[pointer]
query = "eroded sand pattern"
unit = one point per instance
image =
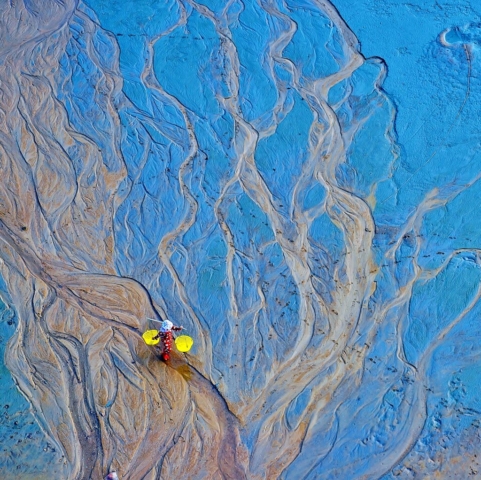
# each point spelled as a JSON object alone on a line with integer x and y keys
{"x": 216, "y": 185}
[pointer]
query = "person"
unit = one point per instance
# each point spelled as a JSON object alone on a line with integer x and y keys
{"x": 166, "y": 337}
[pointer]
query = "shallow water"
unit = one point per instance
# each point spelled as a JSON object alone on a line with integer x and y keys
{"x": 302, "y": 203}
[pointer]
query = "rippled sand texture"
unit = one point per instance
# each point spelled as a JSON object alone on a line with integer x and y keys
{"x": 212, "y": 186}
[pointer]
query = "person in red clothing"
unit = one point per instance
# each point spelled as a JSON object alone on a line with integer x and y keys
{"x": 166, "y": 337}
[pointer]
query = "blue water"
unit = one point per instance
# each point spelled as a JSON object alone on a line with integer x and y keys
{"x": 436, "y": 94}
{"x": 26, "y": 452}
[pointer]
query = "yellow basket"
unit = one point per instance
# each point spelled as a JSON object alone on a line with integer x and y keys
{"x": 148, "y": 337}
{"x": 184, "y": 343}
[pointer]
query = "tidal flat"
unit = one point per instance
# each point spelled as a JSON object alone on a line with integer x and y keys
{"x": 296, "y": 183}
